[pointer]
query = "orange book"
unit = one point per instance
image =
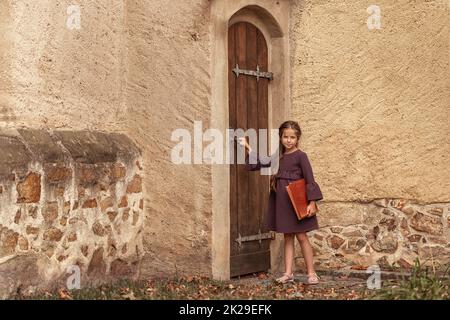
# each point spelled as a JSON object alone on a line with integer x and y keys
{"x": 297, "y": 192}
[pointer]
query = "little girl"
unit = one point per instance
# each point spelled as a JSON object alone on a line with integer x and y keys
{"x": 281, "y": 216}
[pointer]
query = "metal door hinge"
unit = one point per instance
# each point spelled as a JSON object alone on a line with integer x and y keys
{"x": 256, "y": 237}
{"x": 258, "y": 74}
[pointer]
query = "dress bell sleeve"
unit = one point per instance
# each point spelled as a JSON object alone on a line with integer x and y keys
{"x": 313, "y": 191}
{"x": 253, "y": 162}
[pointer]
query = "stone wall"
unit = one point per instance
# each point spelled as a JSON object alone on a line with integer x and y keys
{"x": 388, "y": 232}
{"x": 68, "y": 198}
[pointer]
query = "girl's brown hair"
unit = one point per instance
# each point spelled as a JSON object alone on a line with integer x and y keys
{"x": 298, "y": 132}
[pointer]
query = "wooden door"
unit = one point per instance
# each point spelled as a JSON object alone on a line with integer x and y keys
{"x": 249, "y": 191}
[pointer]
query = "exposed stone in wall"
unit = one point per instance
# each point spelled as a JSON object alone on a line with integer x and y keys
{"x": 29, "y": 190}
{"x": 64, "y": 212}
{"x": 387, "y": 232}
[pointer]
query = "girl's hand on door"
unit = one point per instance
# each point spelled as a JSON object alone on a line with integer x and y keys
{"x": 243, "y": 142}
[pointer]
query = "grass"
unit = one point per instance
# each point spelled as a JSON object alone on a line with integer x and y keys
{"x": 198, "y": 288}
{"x": 423, "y": 284}
{"x": 160, "y": 289}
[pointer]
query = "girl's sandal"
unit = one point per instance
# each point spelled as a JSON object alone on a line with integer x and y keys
{"x": 285, "y": 278}
{"x": 313, "y": 278}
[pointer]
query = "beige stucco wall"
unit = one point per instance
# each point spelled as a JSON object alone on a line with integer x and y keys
{"x": 168, "y": 87}
{"x": 374, "y": 104}
{"x": 56, "y": 77}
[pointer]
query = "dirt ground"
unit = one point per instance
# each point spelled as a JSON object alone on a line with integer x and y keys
{"x": 256, "y": 286}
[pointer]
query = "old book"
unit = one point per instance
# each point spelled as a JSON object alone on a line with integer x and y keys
{"x": 297, "y": 193}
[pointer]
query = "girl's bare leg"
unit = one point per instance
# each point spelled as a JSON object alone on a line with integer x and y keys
{"x": 288, "y": 252}
{"x": 307, "y": 252}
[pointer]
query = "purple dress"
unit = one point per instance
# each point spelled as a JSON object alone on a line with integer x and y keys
{"x": 281, "y": 216}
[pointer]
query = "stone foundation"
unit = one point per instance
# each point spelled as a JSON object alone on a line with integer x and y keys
{"x": 68, "y": 198}
{"x": 387, "y": 232}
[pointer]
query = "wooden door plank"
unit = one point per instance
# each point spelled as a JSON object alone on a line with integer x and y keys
{"x": 241, "y": 117}
{"x": 232, "y": 125}
{"x": 263, "y": 122}
{"x": 250, "y": 263}
{"x": 250, "y": 224}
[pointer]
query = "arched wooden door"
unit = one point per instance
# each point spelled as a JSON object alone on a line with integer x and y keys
{"x": 248, "y": 108}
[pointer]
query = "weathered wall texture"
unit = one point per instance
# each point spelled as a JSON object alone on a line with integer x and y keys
{"x": 151, "y": 57}
{"x": 168, "y": 87}
{"x": 68, "y": 198}
{"x": 56, "y": 77}
{"x": 374, "y": 107}
{"x": 374, "y": 104}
